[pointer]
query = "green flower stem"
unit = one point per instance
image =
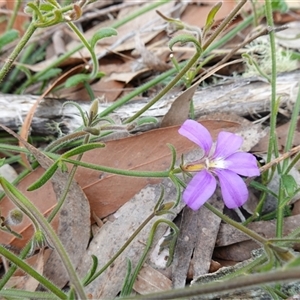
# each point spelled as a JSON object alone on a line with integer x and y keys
{"x": 130, "y": 284}
{"x": 139, "y": 90}
{"x": 138, "y": 230}
{"x": 231, "y": 34}
{"x": 170, "y": 72}
{"x": 68, "y": 185}
{"x": 9, "y": 61}
{"x": 224, "y": 24}
{"x": 274, "y": 110}
{"x": 88, "y": 46}
{"x": 150, "y": 174}
{"x": 252, "y": 234}
{"x": 13, "y": 75}
{"x": 292, "y": 129}
{"x": 63, "y": 57}
{"x": 21, "y": 294}
{"x": 234, "y": 284}
{"x": 29, "y": 270}
{"x": 166, "y": 88}
{"x": 13, "y": 17}
{"x": 17, "y": 197}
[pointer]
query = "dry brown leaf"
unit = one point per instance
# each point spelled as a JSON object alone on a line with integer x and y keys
{"x": 126, "y": 33}
{"x": 281, "y": 131}
{"x": 229, "y": 235}
{"x": 110, "y": 90}
{"x": 197, "y": 238}
{"x": 126, "y": 77}
{"x": 31, "y": 284}
{"x": 180, "y": 108}
{"x": 236, "y": 246}
{"x": 149, "y": 58}
{"x": 74, "y": 235}
{"x": 150, "y": 280}
{"x": 192, "y": 12}
{"x": 113, "y": 234}
{"x": 236, "y": 252}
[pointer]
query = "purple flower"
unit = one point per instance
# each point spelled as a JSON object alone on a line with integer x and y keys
{"x": 222, "y": 160}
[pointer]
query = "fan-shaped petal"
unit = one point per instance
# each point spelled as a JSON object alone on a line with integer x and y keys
{"x": 199, "y": 189}
{"x": 227, "y": 144}
{"x": 197, "y": 133}
{"x": 242, "y": 163}
{"x": 233, "y": 188}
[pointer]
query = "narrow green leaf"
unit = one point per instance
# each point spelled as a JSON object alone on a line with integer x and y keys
{"x": 82, "y": 114}
{"x": 8, "y": 37}
{"x": 279, "y": 5}
{"x": 102, "y": 33}
{"x": 263, "y": 188}
{"x": 50, "y": 74}
{"x": 2, "y": 161}
{"x": 44, "y": 178}
{"x": 92, "y": 130}
{"x": 211, "y": 16}
{"x": 174, "y": 158}
{"x": 76, "y": 79}
{"x": 46, "y": 7}
{"x": 82, "y": 149}
{"x": 185, "y": 38}
{"x": 100, "y": 75}
{"x": 36, "y": 10}
{"x": 289, "y": 183}
{"x": 92, "y": 271}
{"x": 146, "y": 120}
{"x": 26, "y": 71}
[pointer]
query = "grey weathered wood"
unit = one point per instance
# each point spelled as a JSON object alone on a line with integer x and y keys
{"x": 240, "y": 96}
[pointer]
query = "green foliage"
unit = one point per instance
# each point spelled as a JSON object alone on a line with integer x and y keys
{"x": 76, "y": 79}
{"x": 46, "y": 7}
{"x": 210, "y": 20}
{"x": 289, "y": 184}
{"x": 102, "y": 33}
{"x": 50, "y": 74}
{"x": 8, "y": 37}
{"x": 279, "y": 5}
{"x": 183, "y": 39}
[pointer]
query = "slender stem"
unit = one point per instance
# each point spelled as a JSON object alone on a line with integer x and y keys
{"x": 226, "y": 286}
{"x": 139, "y": 12}
{"x": 252, "y": 234}
{"x": 274, "y": 110}
{"x": 88, "y": 46}
{"x": 167, "y": 88}
{"x": 67, "y": 186}
{"x": 129, "y": 286}
{"x": 13, "y": 75}
{"x": 138, "y": 230}
{"x": 292, "y": 128}
{"x": 29, "y": 270}
{"x": 21, "y": 294}
{"x": 13, "y": 17}
{"x": 139, "y": 90}
{"x": 224, "y": 24}
{"x": 9, "y": 61}
{"x": 116, "y": 25}
{"x": 18, "y": 197}
{"x": 158, "y": 174}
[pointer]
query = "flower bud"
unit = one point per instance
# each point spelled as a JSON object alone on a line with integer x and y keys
{"x": 15, "y": 217}
{"x": 94, "y": 109}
